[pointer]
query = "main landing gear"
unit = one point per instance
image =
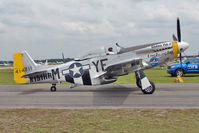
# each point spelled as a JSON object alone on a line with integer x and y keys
{"x": 142, "y": 82}
{"x": 53, "y": 88}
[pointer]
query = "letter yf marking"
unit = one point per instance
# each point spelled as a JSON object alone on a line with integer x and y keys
{"x": 96, "y": 64}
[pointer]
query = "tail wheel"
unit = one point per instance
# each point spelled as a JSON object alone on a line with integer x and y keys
{"x": 179, "y": 72}
{"x": 150, "y": 89}
{"x": 53, "y": 88}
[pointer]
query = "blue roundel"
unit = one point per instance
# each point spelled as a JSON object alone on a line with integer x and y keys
{"x": 154, "y": 61}
{"x": 76, "y": 70}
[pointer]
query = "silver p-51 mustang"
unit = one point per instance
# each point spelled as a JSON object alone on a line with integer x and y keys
{"x": 97, "y": 68}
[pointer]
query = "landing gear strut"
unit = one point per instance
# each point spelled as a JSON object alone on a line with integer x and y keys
{"x": 53, "y": 88}
{"x": 142, "y": 82}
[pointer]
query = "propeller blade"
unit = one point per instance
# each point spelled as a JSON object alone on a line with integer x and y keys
{"x": 181, "y": 61}
{"x": 180, "y": 58}
{"x": 174, "y": 38}
{"x": 178, "y": 30}
{"x": 179, "y": 40}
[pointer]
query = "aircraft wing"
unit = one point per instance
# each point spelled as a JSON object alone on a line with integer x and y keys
{"x": 128, "y": 62}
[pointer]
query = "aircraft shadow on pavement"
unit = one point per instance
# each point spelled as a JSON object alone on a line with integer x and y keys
{"x": 112, "y": 95}
{"x": 103, "y": 91}
{"x": 32, "y": 91}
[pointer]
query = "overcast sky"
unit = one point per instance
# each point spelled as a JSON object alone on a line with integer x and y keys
{"x": 46, "y": 28}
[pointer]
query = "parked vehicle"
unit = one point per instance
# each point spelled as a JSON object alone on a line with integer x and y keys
{"x": 189, "y": 66}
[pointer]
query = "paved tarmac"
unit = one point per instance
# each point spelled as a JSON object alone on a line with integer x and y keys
{"x": 5, "y": 67}
{"x": 107, "y": 96}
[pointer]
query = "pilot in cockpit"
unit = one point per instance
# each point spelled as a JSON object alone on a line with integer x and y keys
{"x": 110, "y": 51}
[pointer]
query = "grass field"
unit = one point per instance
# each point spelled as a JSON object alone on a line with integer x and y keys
{"x": 99, "y": 121}
{"x": 6, "y": 77}
{"x": 156, "y": 75}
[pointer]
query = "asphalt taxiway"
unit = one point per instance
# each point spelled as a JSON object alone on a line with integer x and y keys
{"x": 107, "y": 96}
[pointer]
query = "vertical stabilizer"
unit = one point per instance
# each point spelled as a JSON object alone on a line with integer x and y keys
{"x": 23, "y": 64}
{"x": 28, "y": 62}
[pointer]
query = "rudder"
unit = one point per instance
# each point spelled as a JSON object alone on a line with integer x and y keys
{"x": 23, "y": 64}
{"x": 18, "y": 69}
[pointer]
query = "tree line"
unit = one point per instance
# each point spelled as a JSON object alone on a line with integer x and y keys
{"x": 43, "y": 61}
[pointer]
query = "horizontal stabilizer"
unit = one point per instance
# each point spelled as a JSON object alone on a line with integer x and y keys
{"x": 33, "y": 73}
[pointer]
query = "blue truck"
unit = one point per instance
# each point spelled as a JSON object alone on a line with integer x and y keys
{"x": 189, "y": 66}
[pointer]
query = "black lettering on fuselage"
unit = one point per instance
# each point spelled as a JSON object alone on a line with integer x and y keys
{"x": 27, "y": 69}
{"x": 96, "y": 64}
{"x": 55, "y": 72}
{"x": 31, "y": 79}
{"x": 35, "y": 78}
{"x": 45, "y": 76}
{"x": 49, "y": 75}
{"x": 102, "y": 63}
{"x": 40, "y": 77}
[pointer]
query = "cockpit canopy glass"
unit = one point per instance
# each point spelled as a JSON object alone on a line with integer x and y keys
{"x": 108, "y": 50}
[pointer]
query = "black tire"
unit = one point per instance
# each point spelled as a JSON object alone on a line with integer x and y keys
{"x": 149, "y": 90}
{"x": 53, "y": 89}
{"x": 138, "y": 83}
{"x": 179, "y": 72}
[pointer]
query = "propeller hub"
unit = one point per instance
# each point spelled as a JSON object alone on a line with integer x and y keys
{"x": 179, "y": 47}
{"x": 182, "y": 46}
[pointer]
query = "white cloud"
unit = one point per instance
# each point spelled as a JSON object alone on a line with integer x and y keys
{"x": 2, "y": 26}
{"x": 52, "y": 26}
{"x": 104, "y": 27}
{"x": 78, "y": 27}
